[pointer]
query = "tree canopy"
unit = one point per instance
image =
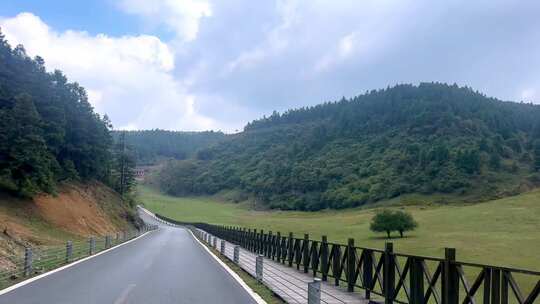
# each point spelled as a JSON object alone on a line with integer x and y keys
{"x": 389, "y": 221}
{"x": 48, "y": 129}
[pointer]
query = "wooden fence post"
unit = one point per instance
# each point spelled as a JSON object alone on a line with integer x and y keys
{"x": 324, "y": 258}
{"x": 336, "y": 263}
{"x": 351, "y": 263}
{"x": 278, "y": 247}
{"x": 416, "y": 280}
{"x": 305, "y": 253}
{"x": 389, "y": 273}
{"x": 367, "y": 270}
{"x": 254, "y": 241}
{"x": 450, "y": 278}
{"x": 290, "y": 249}
{"x": 269, "y": 245}
{"x": 314, "y": 259}
{"x": 261, "y": 242}
{"x": 495, "y": 286}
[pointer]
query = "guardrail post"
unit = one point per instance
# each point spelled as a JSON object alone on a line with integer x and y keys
{"x": 91, "y": 245}
{"x": 351, "y": 263}
{"x": 69, "y": 251}
{"x": 259, "y": 267}
{"x": 389, "y": 273}
{"x": 107, "y": 241}
{"x": 314, "y": 291}
{"x": 223, "y": 247}
{"x": 27, "y": 261}
{"x": 450, "y": 278}
{"x": 236, "y": 256}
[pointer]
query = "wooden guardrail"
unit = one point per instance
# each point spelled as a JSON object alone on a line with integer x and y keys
{"x": 394, "y": 276}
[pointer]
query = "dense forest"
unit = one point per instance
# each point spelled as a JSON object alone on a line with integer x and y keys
{"x": 154, "y": 146}
{"x": 48, "y": 129}
{"x": 430, "y": 138}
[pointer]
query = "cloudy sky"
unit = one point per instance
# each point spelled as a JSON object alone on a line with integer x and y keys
{"x": 217, "y": 64}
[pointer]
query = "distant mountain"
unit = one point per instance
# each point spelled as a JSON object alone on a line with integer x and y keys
{"x": 430, "y": 138}
{"x": 152, "y": 146}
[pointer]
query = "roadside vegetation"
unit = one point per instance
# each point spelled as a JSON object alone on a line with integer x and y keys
{"x": 264, "y": 292}
{"x": 486, "y": 232}
{"x": 49, "y": 132}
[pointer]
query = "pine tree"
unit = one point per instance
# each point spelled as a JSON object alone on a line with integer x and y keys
{"x": 31, "y": 164}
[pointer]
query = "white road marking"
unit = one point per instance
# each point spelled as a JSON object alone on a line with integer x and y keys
{"x": 122, "y": 299}
{"x": 233, "y": 274}
{"x": 250, "y": 291}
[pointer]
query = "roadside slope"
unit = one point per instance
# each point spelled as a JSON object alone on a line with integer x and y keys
{"x": 77, "y": 211}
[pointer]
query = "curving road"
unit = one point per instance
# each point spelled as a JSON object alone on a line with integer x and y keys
{"x": 164, "y": 266}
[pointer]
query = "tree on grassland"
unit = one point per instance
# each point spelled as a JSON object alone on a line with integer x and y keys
{"x": 388, "y": 221}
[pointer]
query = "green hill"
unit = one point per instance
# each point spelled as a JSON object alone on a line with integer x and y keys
{"x": 427, "y": 139}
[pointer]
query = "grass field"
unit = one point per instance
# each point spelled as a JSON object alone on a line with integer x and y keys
{"x": 501, "y": 232}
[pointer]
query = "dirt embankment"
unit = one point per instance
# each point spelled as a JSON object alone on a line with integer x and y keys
{"x": 79, "y": 210}
{"x": 76, "y": 212}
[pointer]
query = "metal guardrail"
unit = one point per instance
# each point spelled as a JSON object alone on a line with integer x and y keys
{"x": 38, "y": 260}
{"x": 396, "y": 277}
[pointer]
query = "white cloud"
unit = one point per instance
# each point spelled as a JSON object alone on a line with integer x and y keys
{"x": 181, "y": 16}
{"x": 126, "y": 77}
{"x": 275, "y": 42}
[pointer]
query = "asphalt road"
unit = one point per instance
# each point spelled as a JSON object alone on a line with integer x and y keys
{"x": 164, "y": 266}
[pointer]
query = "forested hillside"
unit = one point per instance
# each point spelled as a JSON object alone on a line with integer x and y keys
{"x": 48, "y": 129}
{"x": 431, "y": 138}
{"x": 152, "y": 146}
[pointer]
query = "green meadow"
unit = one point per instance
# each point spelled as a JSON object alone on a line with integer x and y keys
{"x": 501, "y": 232}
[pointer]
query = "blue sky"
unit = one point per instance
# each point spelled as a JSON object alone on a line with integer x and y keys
{"x": 92, "y": 16}
{"x": 209, "y": 64}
